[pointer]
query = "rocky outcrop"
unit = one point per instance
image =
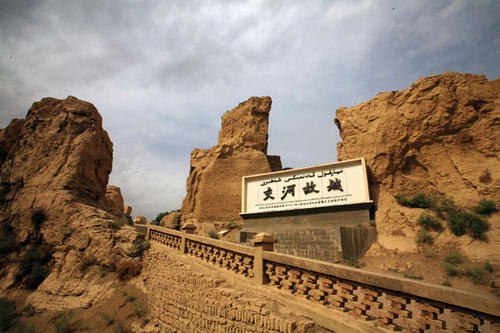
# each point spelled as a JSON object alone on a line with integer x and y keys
{"x": 140, "y": 220}
{"x": 171, "y": 221}
{"x": 53, "y": 182}
{"x": 113, "y": 199}
{"x": 214, "y": 182}
{"x": 439, "y": 136}
{"x": 8, "y": 137}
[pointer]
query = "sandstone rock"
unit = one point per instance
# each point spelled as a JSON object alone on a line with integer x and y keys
{"x": 171, "y": 220}
{"x": 8, "y": 137}
{"x": 113, "y": 198}
{"x": 128, "y": 210}
{"x": 438, "y": 136}
{"x": 214, "y": 182}
{"x": 59, "y": 166}
{"x": 140, "y": 220}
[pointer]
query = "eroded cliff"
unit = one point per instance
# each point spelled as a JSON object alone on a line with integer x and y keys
{"x": 438, "y": 137}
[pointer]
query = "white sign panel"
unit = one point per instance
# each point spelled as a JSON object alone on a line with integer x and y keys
{"x": 332, "y": 184}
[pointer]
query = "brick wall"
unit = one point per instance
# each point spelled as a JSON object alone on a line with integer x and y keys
{"x": 186, "y": 298}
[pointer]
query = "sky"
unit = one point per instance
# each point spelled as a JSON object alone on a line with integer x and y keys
{"x": 162, "y": 73}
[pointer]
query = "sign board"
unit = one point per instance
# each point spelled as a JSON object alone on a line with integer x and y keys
{"x": 334, "y": 184}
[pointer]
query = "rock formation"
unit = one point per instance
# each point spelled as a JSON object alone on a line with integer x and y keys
{"x": 113, "y": 199}
{"x": 214, "y": 182}
{"x": 53, "y": 181}
{"x": 171, "y": 220}
{"x": 140, "y": 220}
{"x": 439, "y": 136}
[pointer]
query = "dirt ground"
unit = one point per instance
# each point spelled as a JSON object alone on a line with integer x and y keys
{"x": 124, "y": 311}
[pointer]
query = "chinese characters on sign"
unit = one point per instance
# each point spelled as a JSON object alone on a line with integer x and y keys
{"x": 328, "y": 185}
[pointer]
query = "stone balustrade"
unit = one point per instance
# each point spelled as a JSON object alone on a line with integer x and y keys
{"x": 389, "y": 302}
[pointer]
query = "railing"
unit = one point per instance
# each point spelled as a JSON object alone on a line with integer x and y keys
{"x": 386, "y": 301}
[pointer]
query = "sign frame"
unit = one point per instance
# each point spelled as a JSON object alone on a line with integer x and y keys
{"x": 292, "y": 172}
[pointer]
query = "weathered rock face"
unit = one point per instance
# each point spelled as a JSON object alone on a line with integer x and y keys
{"x": 140, "y": 220}
{"x": 171, "y": 220}
{"x": 8, "y": 137}
{"x": 113, "y": 199}
{"x": 438, "y": 136}
{"x": 58, "y": 161}
{"x": 214, "y": 182}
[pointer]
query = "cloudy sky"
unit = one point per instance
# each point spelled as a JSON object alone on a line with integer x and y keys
{"x": 162, "y": 73}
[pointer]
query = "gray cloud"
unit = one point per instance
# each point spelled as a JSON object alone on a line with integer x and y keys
{"x": 162, "y": 73}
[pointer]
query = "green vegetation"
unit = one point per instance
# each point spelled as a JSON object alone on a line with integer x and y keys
{"x": 29, "y": 310}
{"x": 412, "y": 276}
{"x": 230, "y": 225}
{"x": 108, "y": 319}
{"x": 213, "y": 234}
{"x": 66, "y": 324}
{"x": 130, "y": 221}
{"x": 453, "y": 258}
{"x": 460, "y": 222}
{"x": 419, "y": 200}
{"x": 34, "y": 266}
{"x": 446, "y": 283}
{"x": 353, "y": 262}
{"x": 163, "y": 214}
{"x": 140, "y": 310}
{"x": 488, "y": 266}
{"x": 117, "y": 224}
{"x": 475, "y": 274}
{"x": 138, "y": 247}
{"x": 120, "y": 327}
{"x": 452, "y": 271}
{"x": 486, "y": 207}
{"x": 423, "y": 237}
{"x": 429, "y": 222}
{"x": 7, "y": 314}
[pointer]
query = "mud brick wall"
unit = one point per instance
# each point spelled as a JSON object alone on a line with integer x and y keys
{"x": 182, "y": 298}
{"x": 320, "y": 244}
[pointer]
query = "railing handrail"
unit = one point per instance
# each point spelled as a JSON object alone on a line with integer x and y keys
{"x": 455, "y": 297}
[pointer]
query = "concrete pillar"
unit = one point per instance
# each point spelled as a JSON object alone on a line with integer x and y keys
{"x": 262, "y": 242}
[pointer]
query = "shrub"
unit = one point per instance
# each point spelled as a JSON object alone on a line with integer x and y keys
{"x": 29, "y": 310}
{"x": 445, "y": 204}
{"x": 127, "y": 269}
{"x": 7, "y": 314}
{"x": 446, "y": 283}
{"x": 140, "y": 310}
{"x": 412, "y": 276}
{"x": 429, "y": 222}
{"x": 460, "y": 222}
{"x": 107, "y": 318}
{"x": 213, "y": 234}
{"x": 419, "y": 200}
{"x": 488, "y": 266}
{"x": 130, "y": 221}
{"x": 138, "y": 247}
{"x": 475, "y": 274}
{"x": 65, "y": 323}
{"x": 117, "y": 224}
{"x": 453, "y": 258}
{"x": 423, "y": 237}
{"x": 34, "y": 266}
{"x": 353, "y": 262}
{"x": 452, "y": 271}
{"x": 230, "y": 225}
{"x": 160, "y": 216}
{"x": 485, "y": 176}
{"x": 120, "y": 327}
{"x": 486, "y": 207}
